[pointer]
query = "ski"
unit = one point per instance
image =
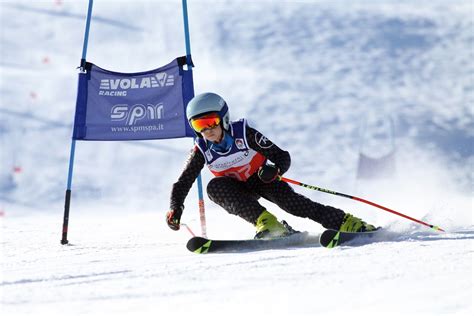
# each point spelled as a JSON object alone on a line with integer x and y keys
{"x": 203, "y": 245}
{"x": 333, "y": 238}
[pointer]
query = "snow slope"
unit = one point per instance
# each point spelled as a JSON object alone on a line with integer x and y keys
{"x": 133, "y": 266}
{"x": 325, "y": 80}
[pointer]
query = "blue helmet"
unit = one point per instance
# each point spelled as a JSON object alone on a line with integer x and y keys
{"x": 208, "y": 103}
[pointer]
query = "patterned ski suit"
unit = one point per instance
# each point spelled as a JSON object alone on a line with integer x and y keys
{"x": 237, "y": 187}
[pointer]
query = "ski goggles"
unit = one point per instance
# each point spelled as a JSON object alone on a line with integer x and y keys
{"x": 204, "y": 122}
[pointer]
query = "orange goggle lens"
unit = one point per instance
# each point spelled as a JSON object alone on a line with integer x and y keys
{"x": 209, "y": 121}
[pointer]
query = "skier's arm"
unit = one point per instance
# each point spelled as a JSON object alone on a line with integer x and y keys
{"x": 272, "y": 152}
{"x": 181, "y": 188}
{"x": 193, "y": 166}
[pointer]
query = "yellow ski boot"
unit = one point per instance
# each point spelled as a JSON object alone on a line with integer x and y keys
{"x": 354, "y": 224}
{"x": 269, "y": 227}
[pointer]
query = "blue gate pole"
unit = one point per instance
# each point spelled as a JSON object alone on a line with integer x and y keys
{"x": 67, "y": 200}
{"x": 186, "y": 31}
{"x": 202, "y": 211}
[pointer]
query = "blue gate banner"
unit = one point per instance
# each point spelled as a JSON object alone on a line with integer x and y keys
{"x": 133, "y": 106}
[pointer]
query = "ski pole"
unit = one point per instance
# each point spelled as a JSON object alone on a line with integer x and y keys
{"x": 189, "y": 229}
{"x": 312, "y": 187}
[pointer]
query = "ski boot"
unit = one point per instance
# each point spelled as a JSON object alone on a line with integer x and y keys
{"x": 354, "y": 224}
{"x": 269, "y": 227}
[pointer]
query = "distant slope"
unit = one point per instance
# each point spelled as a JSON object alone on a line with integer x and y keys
{"x": 306, "y": 74}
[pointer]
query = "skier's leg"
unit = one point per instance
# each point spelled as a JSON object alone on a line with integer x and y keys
{"x": 236, "y": 198}
{"x": 296, "y": 204}
{"x": 330, "y": 217}
{"x": 233, "y": 196}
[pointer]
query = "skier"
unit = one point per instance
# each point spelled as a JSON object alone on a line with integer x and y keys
{"x": 247, "y": 166}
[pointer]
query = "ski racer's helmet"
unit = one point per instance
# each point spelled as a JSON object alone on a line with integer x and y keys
{"x": 206, "y": 103}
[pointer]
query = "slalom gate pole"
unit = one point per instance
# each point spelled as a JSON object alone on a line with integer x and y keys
{"x": 202, "y": 210}
{"x": 311, "y": 187}
{"x": 67, "y": 200}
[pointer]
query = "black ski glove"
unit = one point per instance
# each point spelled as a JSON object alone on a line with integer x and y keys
{"x": 268, "y": 173}
{"x": 173, "y": 218}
